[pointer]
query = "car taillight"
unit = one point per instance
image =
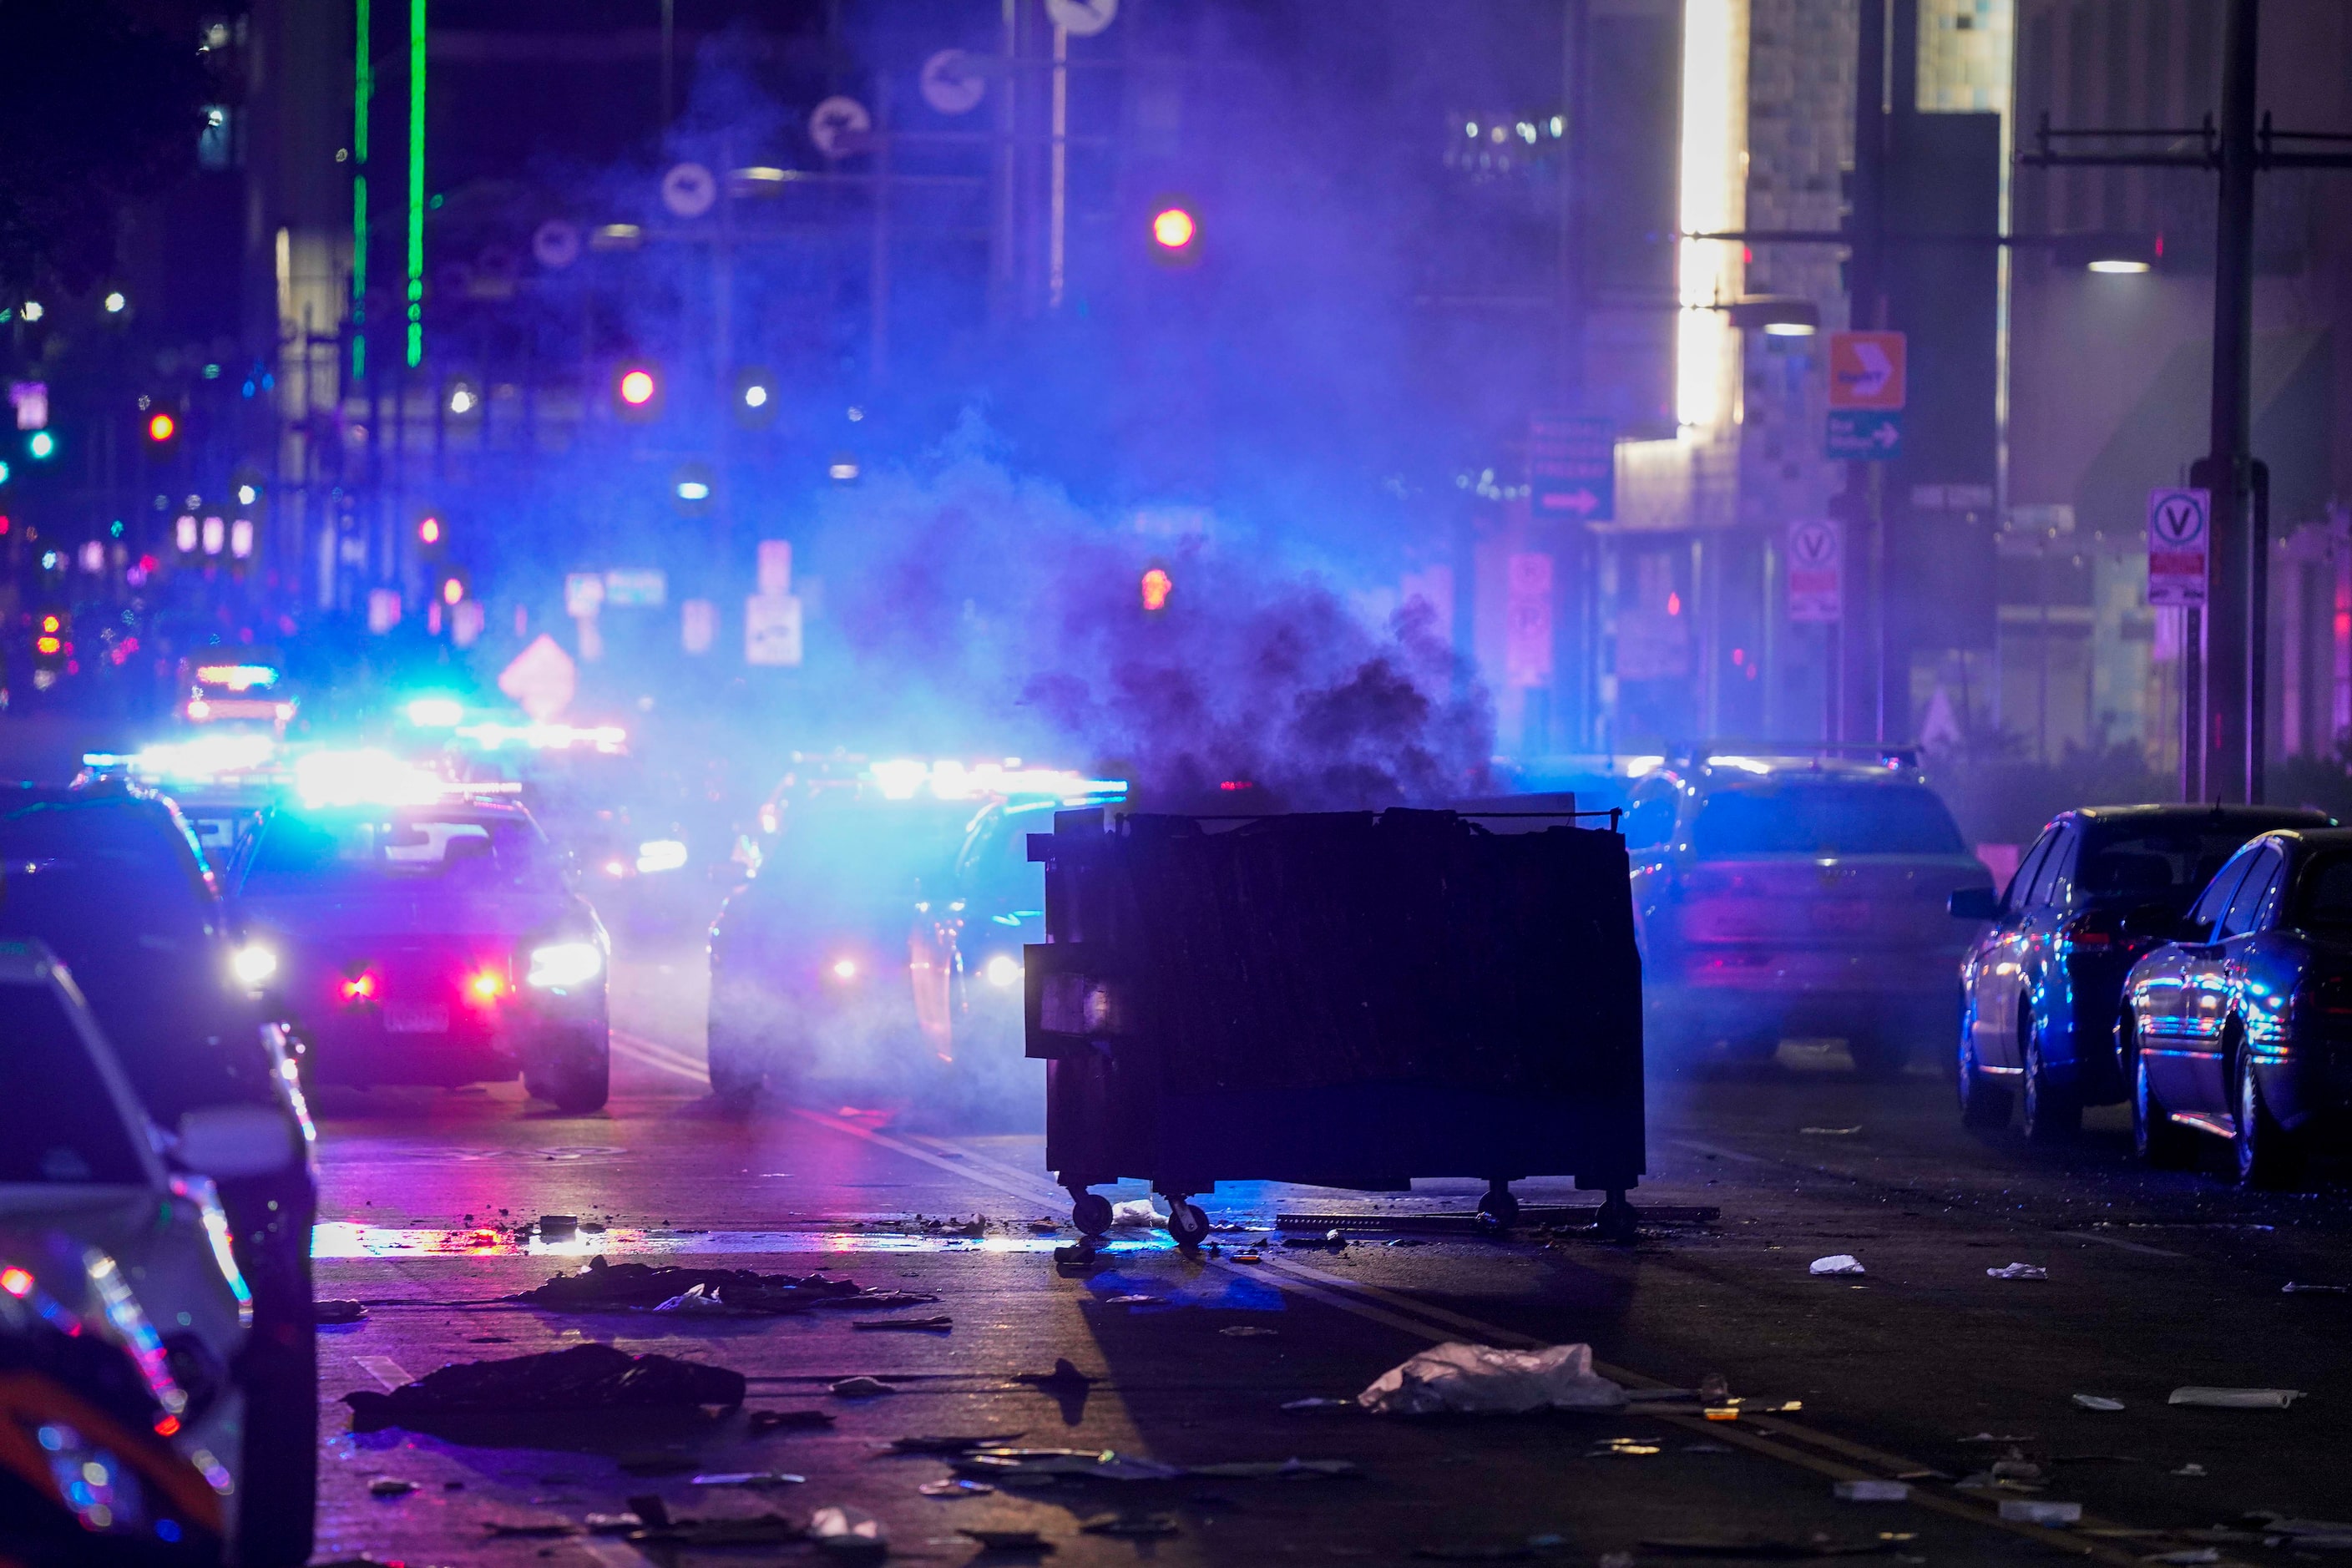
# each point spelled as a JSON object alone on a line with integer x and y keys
{"x": 360, "y": 987}
{"x": 485, "y": 987}
{"x": 2094, "y": 929}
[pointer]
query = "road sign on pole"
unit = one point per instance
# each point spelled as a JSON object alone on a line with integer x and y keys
{"x": 2180, "y": 539}
{"x": 1861, "y": 433}
{"x": 1816, "y": 570}
{"x": 1867, "y": 371}
{"x": 1572, "y": 467}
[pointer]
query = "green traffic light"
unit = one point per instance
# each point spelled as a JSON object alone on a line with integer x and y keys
{"x": 41, "y": 443}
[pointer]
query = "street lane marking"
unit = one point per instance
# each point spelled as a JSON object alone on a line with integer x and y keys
{"x": 384, "y": 1370}
{"x": 2119, "y": 1241}
{"x": 1720, "y": 1153}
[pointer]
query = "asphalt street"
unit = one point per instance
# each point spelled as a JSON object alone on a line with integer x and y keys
{"x": 1924, "y": 1368}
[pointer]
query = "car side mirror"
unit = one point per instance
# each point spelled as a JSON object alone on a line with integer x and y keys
{"x": 1974, "y": 904}
{"x": 224, "y": 1141}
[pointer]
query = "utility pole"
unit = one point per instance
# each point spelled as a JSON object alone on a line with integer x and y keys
{"x": 1861, "y": 663}
{"x": 2223, "y": 750}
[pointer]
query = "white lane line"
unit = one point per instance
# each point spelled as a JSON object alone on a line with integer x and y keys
{"x": 2119, "y": 1241}
{"x": 384, "y": 1370}
{"x": 647, "y": 1054}
{"x": 1720, "y": 1152}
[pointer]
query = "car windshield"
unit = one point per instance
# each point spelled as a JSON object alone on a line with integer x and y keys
{"x": 2324, "y": 896}
{"x": 2154, "y": 865}
{"x": 857, "y": 858}
{"x": 57, "y": 1122}
{"x": 1812, "y": 817}
{"x": 298, "y": 854}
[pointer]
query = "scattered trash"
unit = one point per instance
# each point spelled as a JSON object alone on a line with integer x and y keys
{"x": 859, "y": 1387}
{"x": 956, "y": 1486}
{"x": 848, "y": 1533}
{"x": 698, "y": 1299}
{"x": 1247, "y": 1257}
{"x": 2297, "y": 1287}
{"x": 1837, "y": 1263}
{"x": 2036, "y": 1510}
{"x": 2191, "y": 1468}
{"x": 1474, "y": 1551}
{"x": 1278, "y": 1470}
{"x": 1469, "y": 1379}
{"x": 765, "y": 1421}
{"x": 1829, "y": 1131}
{"x": 1017, "y": 1467}
{"x": 2237, "y": 1398}
{"x": 2192, "y": 1555}
{"x": 746, "y": 1529}
{"x": 1008, "y": 1539}
{"x": 1133, "y": 1302}
{"x": 939, "y": 1325}
{"x": 603, "y": 1286}
{"x": 1624, "y": 1447}
{"x": 1136, "y": 1211}
{"x": 555, "y": 1530}
{"x": 748, "y": 1478}
{"x": 1131, "y": 1524}
{"x": 2000, "y": 1438}
{"x": 2019, "y": 1272}
{"x": 1319, "y": 1403}
{"x": 389, "y": 1486}
{"x": 1249, "y": 1331}
{"x": 2097, "y": 1401}
{"x": 1757, "y": 1546}
{"x": 1044, "y": 1227}
{"x": 582, "y": 1378}
{"x": 928, "y": 1445}
{"x": 331, "y": 1312}
{"x": 2321, "y": 1534}
{"x": 614, "y": 1524}
{"x": 558, "y": 1223}
{"x": 1873, "y": 1492}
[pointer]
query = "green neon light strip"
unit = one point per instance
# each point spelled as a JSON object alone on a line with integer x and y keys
{"x": 363, "y": 99}
{"x": 415, "y": 182}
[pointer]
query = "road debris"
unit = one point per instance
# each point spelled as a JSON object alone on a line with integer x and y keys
{"x": 604, "y": 1287}
{"x": 1829, "y": 1131}
{"x": 2019, "y": 1272}
{"x": 858, "y": 1387}
{"x": 932, "y": 1444}
{"x": 2193, "y": 1469}
{"x": 1007, "y": 1539}
{"x": 748, "y": 1478}
{"x": 1131, "y": 1524}
{"x": 1249, "y": 1331}
{"x": 2039, "y": 1510}
{"x": 1873, "y": 1492}
{"x": 956, "y": 1486}
{"x": 1019, "y": 1466}
{"x": 2236, "y": 1398}
{"x": 1064, "y": 1375}
{"x": 2304, "y": 1534}
{"x": 2297, "y": 1287}
{"x": 390, "y": 1486}
{"x": 749, "y": 1530}
{"x": 582, "y": 1379}
{"x": 1136, "y": 1212}
{"x": 1278, "y": 1470}
{"x": 939, "y": 1325}
{"x": 1319, "y": 1404}
{"x": 1767, "y": 1547}
{"x": 533, "y": 1529}
{"x": 1483, "y": 1380}
{"x": 335, "y": 1313}
{"x": 1837, "y": 1263}
{"x": 762, "y": 1422}
{"x": 2097, "y": 1401}
{"x": 848, "y": 1533}
{"x": 1133, "y": 1302}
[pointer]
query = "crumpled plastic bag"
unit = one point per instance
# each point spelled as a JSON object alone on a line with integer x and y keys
{"x": 1483, "y": 1380}
{"x": 1837, "y": 1263}
{"x": 1137, "y": 1211}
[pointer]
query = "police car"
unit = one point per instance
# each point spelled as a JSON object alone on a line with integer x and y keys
{"x": 426, "y": 932}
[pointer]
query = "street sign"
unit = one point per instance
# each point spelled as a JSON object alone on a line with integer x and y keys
{"x": 1861, "y": 433}
{"x": 838, "y": 126}
{"x": 775, "y": 568}
{"x": 771, "y": 629}
{"x": 1866, "y": 371}
{"x": 2179, "y": 536}
{"x": 952, "y": 82}
{"x": 555, "y": 242}
{"x": 688, "y": 190}
{"x": 1527, "y": 624}
{"x": 583, "y": 593}
{"x": 637, "y": 587}
{"x": 543, "y": 679}
{"x": 1082, "y": 18}
{"x": 1572, "y": 467}
{"x": 1816, "y": 570}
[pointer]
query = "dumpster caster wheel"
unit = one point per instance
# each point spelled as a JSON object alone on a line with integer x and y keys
{"x": 1500, "y": 1206}
{"x": 1090, "y": 1211}
{"x": 1615, "y": 1221}
{"x": 1187, "y": 1224}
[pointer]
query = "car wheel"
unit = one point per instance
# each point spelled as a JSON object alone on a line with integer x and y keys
{"x": 2268, "y": 1154}
{"x": 1983, "y": 1102}
{"x": 2159, "y": 1141}
{"x": 734, "y": 1067}
{"x": 2053, "y": 1110}
{"x": 279, "y": 1374}
{"x": 577, "y": 1082}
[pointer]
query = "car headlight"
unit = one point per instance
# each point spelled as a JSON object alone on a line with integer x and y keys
{"x": 561, "y": 965}
{"x": 1003, "y": 970}
{"x": 660, "y": 854}
{"x": 253, "y": 963}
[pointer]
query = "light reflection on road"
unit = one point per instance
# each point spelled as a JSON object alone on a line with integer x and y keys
{"x": 344, "y": 1240}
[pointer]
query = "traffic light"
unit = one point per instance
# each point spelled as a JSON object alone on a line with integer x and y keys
{"x": 432, "y": 537}
{"x": 450, "y": 587}
{"x": 161, "y": 427}
{"x": 40, "y": 445}
{"x": 1175, "y": 232}
{"x": 638, "y": 392}
{"x": 52, "y": 646}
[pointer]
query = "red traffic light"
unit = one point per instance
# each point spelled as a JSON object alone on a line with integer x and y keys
{"x": 637, "y": 387}
{"x": 1173, "y": 228}
{"x": 161, "y": 427}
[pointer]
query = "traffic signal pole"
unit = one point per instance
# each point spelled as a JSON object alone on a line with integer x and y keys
{"x": 2234, "y": 615}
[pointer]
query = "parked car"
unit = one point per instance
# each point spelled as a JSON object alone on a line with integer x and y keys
{"x": 2241, "y": 1027}
{"x": 2041, "y": 985}
{"x": 124, "y": 1318}
{"x": 1781, "y": 889}
{"x": 108, "y": 880}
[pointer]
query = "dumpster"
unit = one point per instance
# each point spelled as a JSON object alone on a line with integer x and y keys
{"x": 1344, "y": 999}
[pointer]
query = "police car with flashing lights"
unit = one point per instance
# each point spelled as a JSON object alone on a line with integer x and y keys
{"x": 426, "y": 932}
{"x": 131, "y": 1434}
{"x": 239, "y": 688}
{"x": 223, "y": 782}
{"x": 818, "y": 985}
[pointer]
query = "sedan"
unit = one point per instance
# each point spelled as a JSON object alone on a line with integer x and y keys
{"x": 2241, "y": 1028}
{"x": 2039, "y": 987}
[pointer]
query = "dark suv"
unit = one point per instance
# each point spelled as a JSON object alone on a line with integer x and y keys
{"x": 2041, "y": 985}
{"x": 1779, "y": 889}
{"x": 110, "y": 879}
